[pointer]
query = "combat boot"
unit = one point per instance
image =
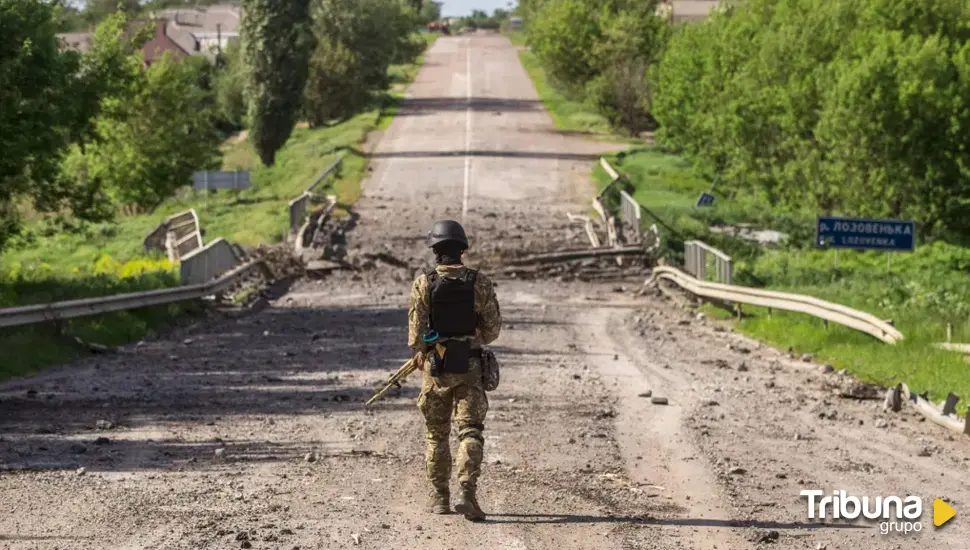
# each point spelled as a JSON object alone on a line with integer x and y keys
{"x": 440, "y": 502}
{"x": 468, "y": 505}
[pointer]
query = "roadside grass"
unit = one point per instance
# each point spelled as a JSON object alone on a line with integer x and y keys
{"x": 921, "y": 291}
{"x": 567, "y": 114}
{"x": 30, "y": 349}
{"x": 52, "y": 264}
{"x": 912, "y": 361}
{"x": 518, "y": 37}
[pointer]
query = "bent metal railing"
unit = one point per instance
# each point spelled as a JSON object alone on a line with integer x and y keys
{"x": 70, "y": 309}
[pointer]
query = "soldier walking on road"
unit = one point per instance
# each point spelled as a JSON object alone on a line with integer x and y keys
{"x": 453, "y": 313}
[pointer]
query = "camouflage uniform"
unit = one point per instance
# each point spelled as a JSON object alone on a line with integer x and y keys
{"x": 458, "y": 396}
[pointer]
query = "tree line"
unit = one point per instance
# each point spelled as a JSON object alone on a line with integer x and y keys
{"x": 479, "y": 19}
{"x": 87, "y": 137}
{"x": 826, "y": 106}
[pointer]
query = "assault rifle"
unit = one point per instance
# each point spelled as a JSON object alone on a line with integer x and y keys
{"x": 399, "y": 376}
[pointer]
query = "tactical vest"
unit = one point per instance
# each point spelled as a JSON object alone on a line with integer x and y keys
{"x": 452, "y": 304}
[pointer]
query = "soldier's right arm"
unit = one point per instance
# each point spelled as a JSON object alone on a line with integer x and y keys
{"x": 418, "y": 313}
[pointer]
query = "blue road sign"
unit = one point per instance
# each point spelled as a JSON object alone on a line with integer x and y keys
{"x": 706, "y": 199}
{"x": 865, "y": 234}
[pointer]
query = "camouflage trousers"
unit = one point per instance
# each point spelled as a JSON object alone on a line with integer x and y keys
{"x": 458, "y": 397}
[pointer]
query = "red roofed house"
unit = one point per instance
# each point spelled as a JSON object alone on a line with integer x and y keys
{"x": 161, "y": 42}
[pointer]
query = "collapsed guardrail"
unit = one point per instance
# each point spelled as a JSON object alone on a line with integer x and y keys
{"x": 300, "y": 206}
{"x": 177, "y": 236}
{"x": 624, "y": 229}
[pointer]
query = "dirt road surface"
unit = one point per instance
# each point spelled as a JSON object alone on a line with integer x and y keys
{"x": 249, "y": 431}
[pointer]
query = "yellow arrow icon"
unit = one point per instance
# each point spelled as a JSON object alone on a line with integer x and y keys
{"x": 942, "y": 512}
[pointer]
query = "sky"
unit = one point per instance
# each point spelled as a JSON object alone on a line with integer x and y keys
{"x": 458, "y": 8}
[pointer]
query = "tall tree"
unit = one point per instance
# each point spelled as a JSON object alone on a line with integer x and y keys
{"x": 375, "y": 30}
{"x": 35, "y": 78}
{"x": 430, "y": 11}
{"x": 277, "y": 43}
{"x": 96, "y": 11}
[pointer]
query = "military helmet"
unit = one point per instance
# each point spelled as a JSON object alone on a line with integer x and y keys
{"x": 446, "y": 230}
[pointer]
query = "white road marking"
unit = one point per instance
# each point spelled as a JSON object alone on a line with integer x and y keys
{"x": 468, "y": 131}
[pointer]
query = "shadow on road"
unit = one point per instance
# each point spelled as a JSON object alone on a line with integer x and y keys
{"x": 432, "y": 105}
{"x": 538, "y": 155}
{"x": 278, "y": 363}
{"x": 687, "y": 522}
{"x": 169, "y": 404}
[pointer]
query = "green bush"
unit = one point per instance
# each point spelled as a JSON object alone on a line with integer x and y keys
{"x": 230, "y": 81}
{"x": 562, "y": 36}
{"x": 600, "y": 51}
{"x": 837, "y": 107}
{"x": 335, "y": 87}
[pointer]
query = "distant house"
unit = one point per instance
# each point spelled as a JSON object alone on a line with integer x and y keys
{"x": 204, "y": 32}
{"x": 182, "y": 32}
{"x": 153, "y": 50}
{"x": 161, "y": 43}
{"x": 686, "y": 10}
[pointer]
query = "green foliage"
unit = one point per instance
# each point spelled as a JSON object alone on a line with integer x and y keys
{"x": 427, "y": 11}
{"x": 229, "y": 86}
{"x": 335, "y": 87}
{"x": 70, "y": 19}
{"x": 277, "y": 44}
{"x": 357, "y": 42}
{"x": 247, "y": 217}
{"x": 567, "y": 114}
{"x": 631, "y": 42}
{"x": 481, "y": 20}
{"x": 96, "y": 11}
{"x": 34, "y": 104}
{"x": 45, "y": 166}
{"x": 150, "y": 140}
{"x": 600, "y": 52}
{"x": 376, "y": 31}
{"x": 840, "y": 107}
{"x": 562, "y": 36}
